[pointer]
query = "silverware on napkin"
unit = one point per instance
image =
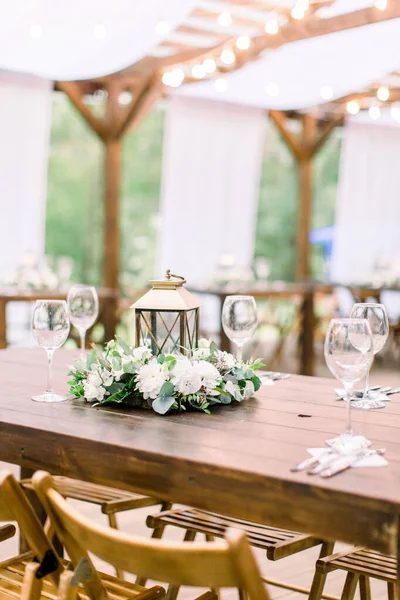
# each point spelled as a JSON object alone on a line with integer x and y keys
{"x": 345, "y": 462}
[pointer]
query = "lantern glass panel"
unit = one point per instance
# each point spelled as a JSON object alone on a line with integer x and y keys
{"x": 167, "y": 331}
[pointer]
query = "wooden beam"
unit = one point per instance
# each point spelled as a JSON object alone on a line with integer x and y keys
{"x": 325, "y": 133}
{"x": 305, "y": 203}
{"x": 279, "y": 119}
{"x": 72, "y": 90}
{"x": 146, "y": 98}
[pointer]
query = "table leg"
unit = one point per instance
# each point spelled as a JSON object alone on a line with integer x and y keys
{"x": 39, "y": 510}
{"x": 3, "y": 324}
{"x": 307, "y": 335}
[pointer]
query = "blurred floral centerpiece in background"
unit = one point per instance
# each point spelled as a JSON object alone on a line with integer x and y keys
{"x": 36, "y": 274}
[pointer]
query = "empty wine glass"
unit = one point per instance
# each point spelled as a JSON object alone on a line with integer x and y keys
{"x": 239, "y": 320}
{"x": 83, "y": 307}
{"x": 50, "y": 328}
{"x": 377, "y": 318}
{"x": 349, "y": 354}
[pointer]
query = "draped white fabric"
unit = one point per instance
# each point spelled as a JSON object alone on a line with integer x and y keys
{"x": 81, "y": 40}
{"x": 368, "y": 206}
{"x": 210, "y": 183}
{"x": 25, "y": 111}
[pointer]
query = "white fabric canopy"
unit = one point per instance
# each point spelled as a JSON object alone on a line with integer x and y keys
{"x": 346, "y": 62}
{"x": 368, "y": 206}
{"x": 25, "y": 111}
{"x": 81, "y": 40}
{"x": 210, "y": 184}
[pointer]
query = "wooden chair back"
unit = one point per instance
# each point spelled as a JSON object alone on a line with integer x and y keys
{"x": 225, "y": 563}
{"x": 15, "y": 506}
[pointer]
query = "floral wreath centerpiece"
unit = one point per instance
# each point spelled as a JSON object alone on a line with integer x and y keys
{"x": 169, "y": 369}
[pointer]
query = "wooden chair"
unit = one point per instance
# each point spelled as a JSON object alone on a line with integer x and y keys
{"x": 277, "y": 543}
{"x": 360, "y": 564}
{"x": 111, "y": 500}
{"x": 226, "y": 563}
{"x": 16, "y": 577}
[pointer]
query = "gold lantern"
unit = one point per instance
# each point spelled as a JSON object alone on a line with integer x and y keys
{"x": 167, "y": 317}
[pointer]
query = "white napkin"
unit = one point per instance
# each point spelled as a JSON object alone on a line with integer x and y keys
{"x": 374, "y": 460}
{"x": 377, "y": 396}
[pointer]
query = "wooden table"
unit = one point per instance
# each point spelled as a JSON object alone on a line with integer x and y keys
{"x": 108, "y": 301}
{"x": 284, "y": 291}
{"x": 236, "y": 461}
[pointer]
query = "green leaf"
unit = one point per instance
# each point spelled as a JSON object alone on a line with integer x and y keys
{"x": 116, "y": 387}
{"x": 256, "y": 382}
{"x": 213, "y": 348}
{"x": 167, "y": 389}
{"x": 125, "y": 347}
{"x": 162, "y": 404}
{"x": 257, "y": 365}
{"x": 249, "y": 389}
{"x": 225, "y": 398}
{"x": 161, "y": 359}
{"x": 171, "y": 362}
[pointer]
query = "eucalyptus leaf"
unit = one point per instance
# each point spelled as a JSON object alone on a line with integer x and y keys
{"x": 225, "y": 398}
{"x": 162, "y": 404}
{"x": 125, "y": 347}
{"x": 167, "y": 389}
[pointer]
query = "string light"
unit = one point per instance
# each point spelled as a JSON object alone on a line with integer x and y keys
{"x": 303, "y": 4}
{"x": 353, "y": 107}
{"x": 383, "y": 93}
{"x": 228, "y": 57}
{"x": 225, "y": 19}
{"x": 198, "y": 71}
{"x": 163, "y": 27}
{"x": 326, "y": 92}
{"x": 125, "y": 98}
{"x": 243, "y": 42}
{"x": 209, "y": 65}
{"x": 221, "y": 85}
{"x": 380, "y": 4}
{"x": 374, "y": 112}
{"x": 99, "y": 31}
{"x": 297, "y": 12}
{"x": 272, "y": 89}
{"x": 272, "y": 26}
{"x": 100, "y": 96}
{"x": 35, "y": 30}
{"x": 173, "y": 78}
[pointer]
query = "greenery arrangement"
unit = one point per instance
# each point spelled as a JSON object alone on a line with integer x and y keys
{"x": 122, "y": 375}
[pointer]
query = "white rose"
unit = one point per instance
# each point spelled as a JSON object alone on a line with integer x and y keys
{"x": 189, "y": 383}
{"x": 141, "y": 353}
{"x": 150, "y": 379}
{"x": 107, "y": 378}
{"x": 94, "y": 379}
{"x": 201, "y": 353}
{"x": 182, "y": 367}
{"x": 210, "y": 376}
{"x": 204, "y": 343}
{"x": 93, "y": 392}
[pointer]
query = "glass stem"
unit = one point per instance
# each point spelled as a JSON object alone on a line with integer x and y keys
{"x": 50, "y": 354}
{"x": 348, "y": 388}
{"x": 366, "y": 389}
{"x": 82, "y": 334}
{"x": 239, "y": 352}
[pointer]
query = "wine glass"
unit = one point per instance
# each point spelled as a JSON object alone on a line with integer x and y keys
{"x": 50, "y": 328}
{"x": 83, "y": 307}
{"x": 349, "y": 354}
{"x": 377, "y": 318}
{"x": 239, "y": 320}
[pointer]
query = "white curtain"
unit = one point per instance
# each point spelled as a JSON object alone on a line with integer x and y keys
{"x": 368, "y": 207}
{"x": 211, "y": 170}
{"x": 25, "y": 111}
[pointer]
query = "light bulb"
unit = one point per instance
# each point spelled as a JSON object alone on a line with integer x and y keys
{"x": 228, "y": 57}
{"x": 395, "y": 112}
{"x": 374, "y": 112}
{"x": 173, "y": 78}
{"x": 198, "y": 71}
{"x": 326, "y": 92}
{"x": 272, "y": 89}
{"x": 380, "y": 4}
{"x": 224, "y": 19}
{"x": 209, "y": 65}
{"x": 99, "y": 31}
{"x": 125, "y": 98}
{"x": 297, "y": 12}
{"x": 272, "y": 26}
{"x": 35, "y": 30}
{"x": 353, "y": 107}
{"x": 243, "y": 42}
{"x": 221, "y": 84}
{"x": 163, "y": 27}
{"x": 383, "y": 93}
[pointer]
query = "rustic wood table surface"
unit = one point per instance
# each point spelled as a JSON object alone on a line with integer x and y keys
{"x": 236, "y": 461}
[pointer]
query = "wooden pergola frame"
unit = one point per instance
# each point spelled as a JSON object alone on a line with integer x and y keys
{"x": 203, "y": 38}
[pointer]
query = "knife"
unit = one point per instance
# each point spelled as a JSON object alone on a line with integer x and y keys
{"x": 345, "y": 462}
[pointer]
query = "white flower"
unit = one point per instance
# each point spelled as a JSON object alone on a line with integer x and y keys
{"x": 204, "y": 343}
{"x": 142, "y": 353}
{"x": 224, "y": 361}
{"x": 107, "y": 378}
{"x": 210, "y": 377}
{"x": 93, "y": 387}
{"x": 94, "y": 378}
{"x": 150, "y": 379}
{"x": 182, "y": 367}
{"x": 189, "y": 383}
{"x": 201, "y": 354}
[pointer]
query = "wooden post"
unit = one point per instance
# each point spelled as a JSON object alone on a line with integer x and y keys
{"x": 305, "y": 204}
{"x": 111, "y": 212}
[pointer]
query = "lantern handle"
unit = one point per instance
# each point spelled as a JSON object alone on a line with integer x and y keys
{"x": 168, "y": 275}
